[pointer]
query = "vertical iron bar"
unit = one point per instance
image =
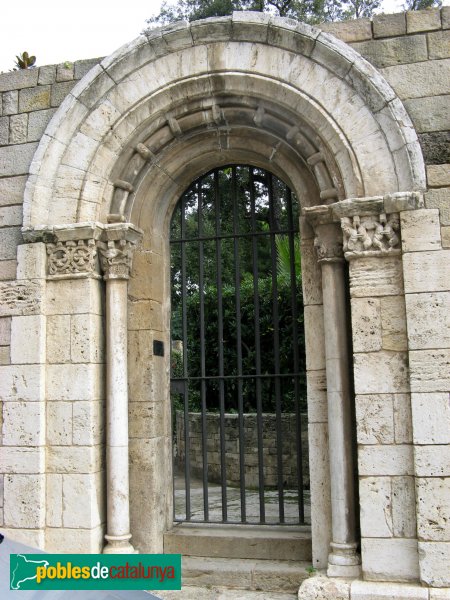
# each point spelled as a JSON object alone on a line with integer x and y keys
{"x": 187, "y": 481}
{"x": 202, "y": 353}
{"x": 237, "y": 286}
{"x": 259, "y": 420}
{"x": 294, "y": 305}
{"x": 220, "y": 341}
{"x": 276, "y": 345}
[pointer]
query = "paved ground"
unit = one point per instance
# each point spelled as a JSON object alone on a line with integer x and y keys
{"x": 196, "y": 593}
{"x": 234, "y": 503}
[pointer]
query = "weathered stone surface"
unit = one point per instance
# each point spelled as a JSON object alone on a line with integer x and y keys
{"x": 314, "y": 337}
{"x": 22, "y": 460}
{"x": 381, "y": 372}
{"x": 433, "y": 509}
{"x": 366, "y": 324}
{"x": 427, "y": 271}
{"x": 348, "y": 31}
{"x": 5, "y": 331}
{"x": 74, "y": 459}
{"x": 438, "y": 175}
{"x": 433, "y": 461}
{"x": 440, "y": 199}
{"x": 74, "y": 382}
{"x": 439, "y": 44}
{"x": 88, "y": 423}
{"x": 20, "y": 298}
{"x": 389, "y": 25}
{"x": 11, "y": 190}
{"x": 53, "y": 500}
{"x": 82, "y": 497}
{"x": 4, "y": 131}
{"x": 428, "y": 320}
{"x": 15, "y": 160}
{"x": 395, "y": 559}
{"x": 9, "y": 239}
{"x": 429, "y": 114}
{"x": 37, "y": 122}
{"x": 431, "y": 418}
{"x": 64, "y": 71}
{"x": 86, "y": 339}
{"x": 393, "y": 323}
{"x": 317, "y": 397}
{"x": 385, "y": 460}
{"x": 322, "y": 588}
{"x": 376, "y": 507}
{"x": 445, "y": 237}
{"x": 73, "y": 296}
{"x": 47, "y": 75}
{"x": 5, "y": 355}
{"x": 434, "y": 560}
{"x": 17, "y": 80}
{"x": 395, "y": 51}
{"x": 10, "y": 102}
{"x": 59, "y": 423}
{"x": 404, "y": 507}
{"x": 375, "y": 419}
{"x": 24, "y": 501}
{"x": 18, "y": 125}
{"x": 75, "y": 540}
{"x": 7, "y": 270}
{"x": 10, "y": 216}
{"x": 423, "y": 20}
{"x": 430, "y": 370}
{"x": 28, "y": 339}
{"x": 59, "y": 91}
{"x": 81, "y": 67}
{"x": 445, "y": 17}
{"x": 420, "y": 230}
{"x": 435, "y": 147}
{"x": 312, "y": 278}
{"x": 373, "y": 277}
{"x": 34, "y": 98}
{"x": 58, "y": 336}
{"x": 418, "y": 80}
{"x": 368, "y": 590}
{"x": 23, "y": 424}
{"x": 402, "y": 419}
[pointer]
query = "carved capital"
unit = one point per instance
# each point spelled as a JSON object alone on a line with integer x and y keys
{"x": 328, "y": 243}
{"x": 116, "y": 258}
{"x": 70, "y": 257}
{"x": 371, "y": 235}
{"x": 116, "y": 249}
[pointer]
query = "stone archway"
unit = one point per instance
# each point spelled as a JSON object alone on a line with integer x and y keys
{"x": 163, "y": 110}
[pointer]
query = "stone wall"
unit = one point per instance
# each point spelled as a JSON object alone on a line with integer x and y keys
{"x": 51, "y": 330}
{"x": 289, "y": 448}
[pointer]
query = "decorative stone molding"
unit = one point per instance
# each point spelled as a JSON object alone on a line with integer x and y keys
{"x": 116, "y": 250}
{"x": 373, "y": 235}
{"x": 72, "y": 258}
{"x": 328, "y": 243}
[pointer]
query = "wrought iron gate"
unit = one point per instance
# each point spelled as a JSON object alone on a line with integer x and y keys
{"x": 237, "y": 362}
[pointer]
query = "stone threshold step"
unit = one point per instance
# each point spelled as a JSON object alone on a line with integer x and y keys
{"x": 240, "y": 541}
{"x": 244, "y": 574}
{"x": 196, "y": 593}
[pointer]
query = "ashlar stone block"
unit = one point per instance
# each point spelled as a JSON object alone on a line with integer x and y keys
{"x": 23, "y": 459}
{"x": 429, "y": 370}
{"x": 402, "y": 419}
{"x": 434, "y": 560}
{"x": 427, "y": 271}
{"x": 367, "y": 590}
{"x": 22, "y": 382}
{"x": 314, "y": 337}
{"x": 381, "y": 372}
{"x": 74, "y": 296}
{"x": 376, "y": 507}
{"x": 317, "y": 396}
{"x": 5, "y": 331}
{"x": 88, "y": 423}
{"x": 28, "y": 336}
{"x": 59, "y": 423}
{"x": 24, "y": 423}
{"x": 403, "y": 507}
{"x": 82, "y": 541}
{"x": 54, "y": 500}
{"x": 389, "y": 25}
{"x": 58, "y": 339}
{"x": 376, "y": 276}
{"x": 431, "y": 418}
{"x": 440, "y": 199}
{"x": 366, "y": 324}
{"x": 423, "y": 20}
{"x": 420, "y": 230}
{"x": 385, "y": 460}
{"x": 74, "y": 382}
{"x": 24, "y": 504}
{"x": 86, "y": 338}
{"x": 432, "y": 461}
{"x": 375, "y": 419}
{"x": 390, "y": 559}
{"x": 82, "y": 500}
{"x": 393, "y": 323}
{"x": 438, "y": 175}
{"x": 74, "y": 459}
{"x": 433, "y": 509}
{"x": 428, "y": 320}
{"x": 418, "y": 80}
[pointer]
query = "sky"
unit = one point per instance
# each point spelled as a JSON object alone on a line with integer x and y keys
{"x": 57, "y": 32}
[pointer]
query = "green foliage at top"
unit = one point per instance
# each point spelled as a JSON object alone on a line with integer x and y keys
{"x": 25, "y": 61}
{"x": 421, "y": 4}
{"x": 309, "y": 11}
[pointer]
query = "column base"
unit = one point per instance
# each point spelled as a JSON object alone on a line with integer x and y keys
{"x": 343, "y": 561}
{"x": 118, "y": 544}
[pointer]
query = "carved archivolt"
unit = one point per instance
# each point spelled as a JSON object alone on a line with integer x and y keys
{"x": 369, "y": 235}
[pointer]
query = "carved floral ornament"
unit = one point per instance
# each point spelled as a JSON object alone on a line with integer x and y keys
{"x": 72, "y": 258}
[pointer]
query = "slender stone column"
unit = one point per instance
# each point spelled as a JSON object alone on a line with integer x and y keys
{"x": 115, "y": 258}
{"x": 343, "y": 560}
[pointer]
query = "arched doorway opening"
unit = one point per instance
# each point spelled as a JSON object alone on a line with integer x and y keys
{"x": 238, "y": 380}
